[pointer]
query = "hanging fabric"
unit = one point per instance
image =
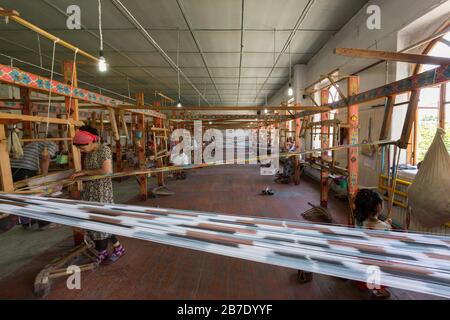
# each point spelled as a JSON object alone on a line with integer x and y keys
{"x": 368, "y": 150}
{"x": 393, "y": 188}
{"x": 14, "y": 145}
{"x": 428, "y": 196}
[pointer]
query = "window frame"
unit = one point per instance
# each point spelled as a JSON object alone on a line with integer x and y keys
{"x": 412, "y": 150}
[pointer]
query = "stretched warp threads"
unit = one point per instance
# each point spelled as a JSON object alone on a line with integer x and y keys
{"x": 410, "y": 261}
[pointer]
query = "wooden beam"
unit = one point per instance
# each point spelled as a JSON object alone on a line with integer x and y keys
{"x": 442, "y": 105}
{"x": 72, "y": 114}
{"x": 418, "y": 81}
{"x": 143, "y": 187}
{"x": 112, "y": 121}
{"x": 387, "y": 118}
{"x": 123, "y": 121}
{"x": 45, "y": 139}
{"x": 144, "y": 110}
{"x": 265, "y": 117}
{"x": 5, "y": 166}
{"x": 392, "y": 56}
{"x": 22, "y": 117}
{"x": 14, "y": 16}
{"x": 228, "y": 108}
{"x": 409, "y": 119}
{"x": 70, "y": 74}
{"x": 18, "y": 77}
{"x": 164, "y": 97}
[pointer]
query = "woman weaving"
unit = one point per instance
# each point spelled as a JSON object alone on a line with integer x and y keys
{"x": 97, "y": 161}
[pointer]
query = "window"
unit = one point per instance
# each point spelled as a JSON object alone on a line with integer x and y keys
{"x": 434, "y": 106}
{"x": 333, "y": 96}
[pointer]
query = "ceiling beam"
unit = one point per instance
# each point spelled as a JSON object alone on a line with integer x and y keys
{"x": 241, "y": 49}
{"x": 123, "y": 9}
{"x": 197, "y": 44}
{"x": 300, "y": 20}
{"x": 392, "y": 56}
{"x": 231, "y": 108}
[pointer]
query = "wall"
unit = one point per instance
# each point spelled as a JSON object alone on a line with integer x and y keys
{"x": 403, "y": 22}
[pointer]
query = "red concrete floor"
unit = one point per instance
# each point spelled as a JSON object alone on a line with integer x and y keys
{"x": 154, "y": 271}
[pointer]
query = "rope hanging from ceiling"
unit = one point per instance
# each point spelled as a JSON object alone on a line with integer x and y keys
{"x": 410, "y": 261}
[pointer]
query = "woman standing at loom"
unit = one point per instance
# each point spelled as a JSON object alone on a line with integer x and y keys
{"x": 97, "y": 161}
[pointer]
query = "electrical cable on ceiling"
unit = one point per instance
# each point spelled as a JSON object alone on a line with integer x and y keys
{"x": 39, "y": 49}
{"x": 100, "y": 23}
{"x": 128, "y": 87}
{"x": 179, "y": 105}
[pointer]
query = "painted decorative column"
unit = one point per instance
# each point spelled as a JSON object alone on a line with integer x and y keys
{"x": 325, "y": 143}
{"x": 353, "y": 153}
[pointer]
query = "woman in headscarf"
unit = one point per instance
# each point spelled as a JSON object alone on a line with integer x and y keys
{"x": 97, "y": 161}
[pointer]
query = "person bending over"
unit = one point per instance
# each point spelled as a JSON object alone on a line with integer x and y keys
{"x": 36, "y": 159}
{"x": 97, "y": 161}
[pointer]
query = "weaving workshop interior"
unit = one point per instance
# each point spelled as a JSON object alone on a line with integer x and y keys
{"x": 224, "y": 150}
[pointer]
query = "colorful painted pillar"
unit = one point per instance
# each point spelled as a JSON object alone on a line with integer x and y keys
{"x": 353, "y": 153}
{"x": 142, "y": 179}
{"x": 159, "y": 162}
{"x": 325, "y": 143}
{"x": 118, "y": 164}
{"x": 298, "y": 146}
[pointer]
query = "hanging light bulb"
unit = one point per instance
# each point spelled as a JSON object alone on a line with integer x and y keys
{"x": 102, "y": 66}
{"x": 179, "y": 105}
{"x": 266, "y": 111}
{"x": 210, "y": 123}
{"x": 290, "y": 91}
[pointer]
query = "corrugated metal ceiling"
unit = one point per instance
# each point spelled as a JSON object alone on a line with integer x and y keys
{"x": 216, "y": 26}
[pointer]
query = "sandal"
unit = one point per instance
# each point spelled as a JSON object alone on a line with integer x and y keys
{"x": 381, "y": 293}
{"x": 117, "y": 254}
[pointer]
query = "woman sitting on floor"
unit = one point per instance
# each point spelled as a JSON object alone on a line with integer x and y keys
{"x": 368, "y": 207}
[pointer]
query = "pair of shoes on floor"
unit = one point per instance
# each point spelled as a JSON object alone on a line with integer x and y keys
{"x": 267, "y": 192}
{"x": 117, "y": 253}
{"x": 104, "y": 258}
